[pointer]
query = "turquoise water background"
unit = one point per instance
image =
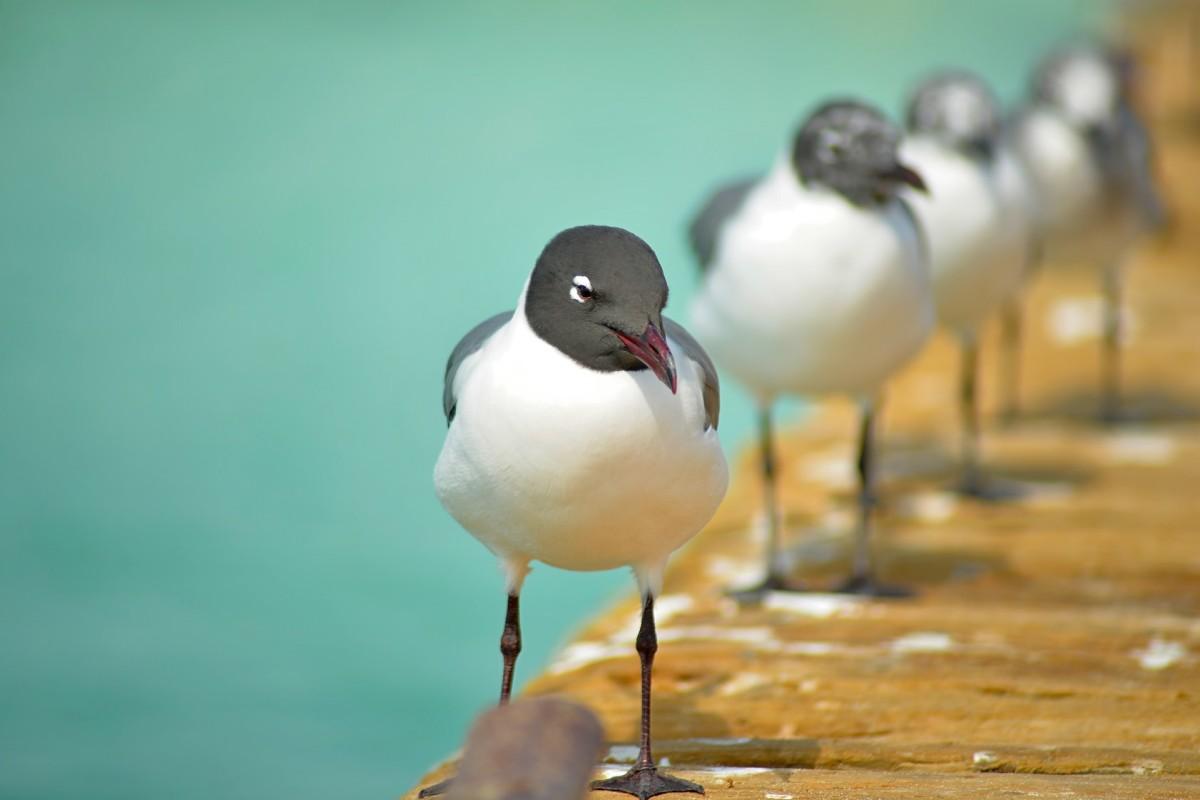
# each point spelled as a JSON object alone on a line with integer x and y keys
{"x": 237, "y": 241}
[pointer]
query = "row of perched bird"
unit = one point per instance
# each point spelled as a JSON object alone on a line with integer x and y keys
{"x": 582, "y": 425}
{"x": 827, "y": 274}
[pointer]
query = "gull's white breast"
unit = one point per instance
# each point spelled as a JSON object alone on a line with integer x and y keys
{"x": 977, "y": 220}
{"x": 811, "y": 294}
{"x": 1079, "y": 217}
{"x": 580, "y": 469}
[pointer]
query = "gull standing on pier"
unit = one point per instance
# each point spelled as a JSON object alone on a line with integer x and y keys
{"x": 977, "y": 218}
{"x": 582, "y": 433}
{"x": 1088, "y": 155}
{"x": 816, "y": 282}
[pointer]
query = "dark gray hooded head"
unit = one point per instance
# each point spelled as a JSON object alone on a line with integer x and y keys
{"x": 959, "y": 110}
{"x": 850, "y": 147}
{"x": 597, "y": 294}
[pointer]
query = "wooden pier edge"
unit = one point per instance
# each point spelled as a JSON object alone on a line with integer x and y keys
{"x": 1053, "y": 649}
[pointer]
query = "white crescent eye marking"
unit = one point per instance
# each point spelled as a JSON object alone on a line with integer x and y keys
{"x": 581, "y": 289}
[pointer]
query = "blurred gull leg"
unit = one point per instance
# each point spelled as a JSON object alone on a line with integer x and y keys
{"x": 1110, "y": 370}
{"x": 863, "y": 579}
{"x": 972, "y": 480}
{"x": 1011, "y": 329}
{"x": 776, "y": 576}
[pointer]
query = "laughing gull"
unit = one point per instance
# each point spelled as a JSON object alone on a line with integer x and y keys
{"x": 977, "y": 218}
{"x": 816, "y": 282}
{"x": 1088, "y": 155}
{"x": 582, "y": 433}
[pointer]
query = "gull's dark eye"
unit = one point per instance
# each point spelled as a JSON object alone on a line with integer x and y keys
{"x": 581, "y": 289}
{"x": 833, "y": 148}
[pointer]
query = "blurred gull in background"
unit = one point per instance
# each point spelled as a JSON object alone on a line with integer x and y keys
{"x": 816, "y": 282}
{"x": 1088, "y": 155}
{"x": 977, "y": 219}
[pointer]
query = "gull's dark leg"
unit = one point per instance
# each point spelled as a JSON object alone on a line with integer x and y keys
{"x": 1110, "y": 368}
{"x": 862, "y": 578}
{"x": 510, "y": 645}
{"x": 644, "y": 780}
{"x": 972, "y": 482}
{"x": 776, "y": 579}
{"x": 1011, "y": 324}
{"x": 510, "y": 648}
{"x": 770, "y": 465}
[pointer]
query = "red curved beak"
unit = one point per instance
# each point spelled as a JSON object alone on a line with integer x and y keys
{"x": 652, "y": 350}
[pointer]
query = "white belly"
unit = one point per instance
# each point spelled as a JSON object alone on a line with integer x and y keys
{"x": 1079, "y": 218}
{"x": 809, "y": 294}
{"x": 579, "y": 469}
{"x": 978, "y": 225}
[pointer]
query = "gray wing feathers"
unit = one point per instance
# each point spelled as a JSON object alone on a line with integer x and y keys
{"x": 1123, "y": 151}
{"x": 705, "y": 229}
{"x": 1139, "y": 166}
{"x": 466, "y": 346}
{"x": 712, "y": 386}
{"x": 918, "y": 228}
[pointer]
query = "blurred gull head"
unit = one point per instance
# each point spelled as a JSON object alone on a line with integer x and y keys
{"x": 1084, "y": 83}
{"x": 851, "y": 147}
{"x": 958, "y": 109}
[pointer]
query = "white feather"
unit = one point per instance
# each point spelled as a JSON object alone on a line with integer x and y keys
{"x": 811, "y": 294}
{"x": 1079, "y": 219}
{"x": 580, "y": 469}
{"x": 978, "y": 223}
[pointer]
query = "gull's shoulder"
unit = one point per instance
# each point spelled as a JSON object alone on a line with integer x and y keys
{"x": 711, "y": 383}
{"x": 467, "y": 346}
{"x": 721, "y": 205}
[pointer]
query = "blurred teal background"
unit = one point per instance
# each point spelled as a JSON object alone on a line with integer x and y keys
{"x": 237, "y": 241}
